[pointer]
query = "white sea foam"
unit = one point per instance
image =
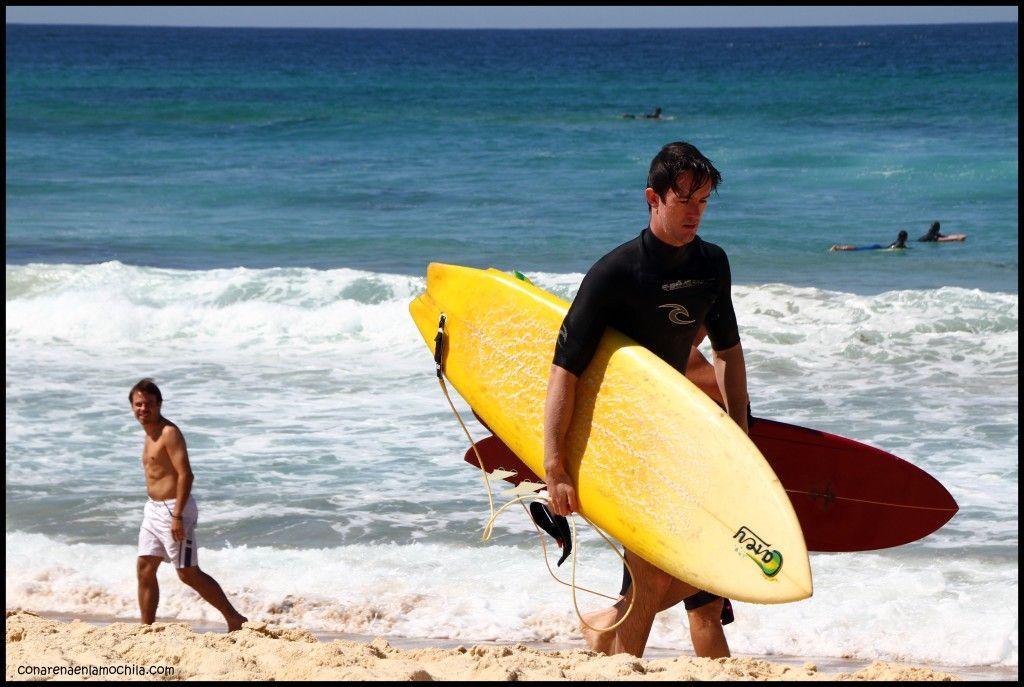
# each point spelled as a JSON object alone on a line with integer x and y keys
{"x": 260, "y": 366}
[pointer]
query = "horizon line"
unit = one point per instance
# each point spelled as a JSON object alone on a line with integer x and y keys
{"x": 497, "y": 28}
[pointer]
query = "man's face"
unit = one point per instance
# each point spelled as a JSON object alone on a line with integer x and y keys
{"x": 145, "y": 407}
{"x": 675, "y": 219}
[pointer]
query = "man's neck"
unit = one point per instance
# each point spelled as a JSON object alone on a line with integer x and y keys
{"x": 153, "y": 429}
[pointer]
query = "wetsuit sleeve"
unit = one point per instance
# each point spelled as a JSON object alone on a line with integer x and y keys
{"x": 723, "y": 330}
{"x": 585, "y": 322}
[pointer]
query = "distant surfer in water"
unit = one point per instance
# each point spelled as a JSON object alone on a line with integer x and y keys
{"x": 932, "y": 234}
{"x": 901, "y": 240}
{"x": 659, "y": 289}
{"x": 650, "y": 115}
{"x": 170, "y": 515}
{"x": 899, "y": 243}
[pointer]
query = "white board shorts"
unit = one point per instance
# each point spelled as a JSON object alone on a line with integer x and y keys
{"x": 155, "y": 538}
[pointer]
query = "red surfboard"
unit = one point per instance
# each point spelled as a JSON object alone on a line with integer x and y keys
{"x": 848, "y": 496}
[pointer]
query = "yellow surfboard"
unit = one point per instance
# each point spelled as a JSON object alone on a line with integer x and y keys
{"x": 657, "y": 464}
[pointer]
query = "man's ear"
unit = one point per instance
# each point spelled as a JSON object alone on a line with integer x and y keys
{"x": 652, "y": 197}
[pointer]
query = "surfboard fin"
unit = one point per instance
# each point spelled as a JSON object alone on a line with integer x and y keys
{"x": 555, "y": 525}
{"x": 521, "y": 277}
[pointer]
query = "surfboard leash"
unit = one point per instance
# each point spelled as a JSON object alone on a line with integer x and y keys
{"x": 572, "y": 584}
{"x": 439, "y": 344}
{"x": 439, "y": 340}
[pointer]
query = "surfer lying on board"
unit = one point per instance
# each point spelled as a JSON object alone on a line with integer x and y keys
{"x": 170, "y": 515}
{"x": 901, "y": 240}
{"x": 932, "y": 234}
{"x": 899, "y": 243}
{"x": 659, "y": 289}
{"x": 656, "y": 114}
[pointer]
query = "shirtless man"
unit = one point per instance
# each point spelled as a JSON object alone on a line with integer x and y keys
{"x": 170, "y": 516}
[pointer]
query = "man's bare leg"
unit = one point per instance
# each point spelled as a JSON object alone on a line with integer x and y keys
{"x": 649, "y": 586}
{"x": 149, "y": 588}
{"x": 213, "y": 594}
{"x": 706, "y": 630}
{"x": 606, "y": 617}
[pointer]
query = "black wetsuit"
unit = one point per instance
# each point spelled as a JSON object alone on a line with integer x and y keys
{"x": 658, "y": 295}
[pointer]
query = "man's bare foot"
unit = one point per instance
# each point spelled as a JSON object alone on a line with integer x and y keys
{"x": 235, "y": 622}
{"x": 600, "y": 641}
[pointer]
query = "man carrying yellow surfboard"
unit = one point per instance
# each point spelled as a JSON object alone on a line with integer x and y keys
{"x": 658, "y": 289}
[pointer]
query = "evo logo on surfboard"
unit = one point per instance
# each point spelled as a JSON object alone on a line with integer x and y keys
{"x": 758, "y": 550}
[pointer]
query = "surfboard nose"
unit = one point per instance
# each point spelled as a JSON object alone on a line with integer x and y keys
{"x": 425, "y": 313}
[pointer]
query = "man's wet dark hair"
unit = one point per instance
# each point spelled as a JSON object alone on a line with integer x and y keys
{"x": 146, "y": 386}
{"x": 674, "y": 159}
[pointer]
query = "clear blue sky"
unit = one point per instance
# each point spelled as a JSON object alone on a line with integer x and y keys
{"x": 510, "y": 17}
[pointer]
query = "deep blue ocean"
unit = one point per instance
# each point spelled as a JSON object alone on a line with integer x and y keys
{"x": 384, "y": 150}
{"x": 245, "y": 214}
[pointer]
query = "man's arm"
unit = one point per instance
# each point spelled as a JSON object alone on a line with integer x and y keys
{"x": 178, "y": 454}
{"x": 558, "y": 410}
{"x": 702, "y": 374}
{"x": 731, "y": 373}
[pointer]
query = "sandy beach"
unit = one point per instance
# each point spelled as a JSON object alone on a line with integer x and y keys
{"x": 43, "y": 648}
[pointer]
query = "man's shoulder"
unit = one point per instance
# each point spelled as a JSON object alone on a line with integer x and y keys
{"x": 712, "y": 254}
{"x": 710, "y": 249}
{"x": 170, "y": 431}
{"x": 619, "y": 260}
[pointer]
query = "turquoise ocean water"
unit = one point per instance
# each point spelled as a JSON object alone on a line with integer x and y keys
{"x": 245, "y": 215}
